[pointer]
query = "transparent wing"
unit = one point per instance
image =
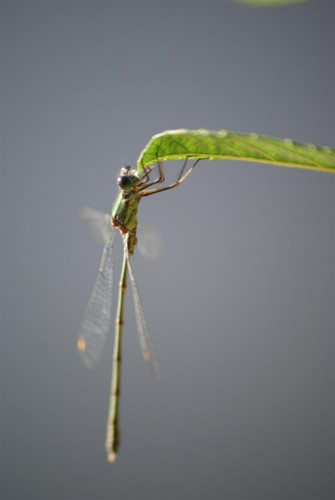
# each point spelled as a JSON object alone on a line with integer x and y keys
{"x": 99, "y": 223}
{"x": 149, "y": 241}
{"x": 142, "y": 327}
{"x": 97, "y": 317}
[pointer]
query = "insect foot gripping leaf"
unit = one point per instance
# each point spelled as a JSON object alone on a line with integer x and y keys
{"x": 200, "y": 144}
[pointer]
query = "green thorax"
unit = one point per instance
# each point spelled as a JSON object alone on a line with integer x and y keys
{"x": 124, "y": 211}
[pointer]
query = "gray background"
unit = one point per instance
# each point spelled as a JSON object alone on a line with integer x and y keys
{"x": 241, "y": 303}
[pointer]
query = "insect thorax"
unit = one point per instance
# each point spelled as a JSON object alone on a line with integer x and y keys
{"x": 124, "y": 212}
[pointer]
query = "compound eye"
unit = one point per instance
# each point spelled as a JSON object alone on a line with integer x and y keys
{"x": 124, "y": 182}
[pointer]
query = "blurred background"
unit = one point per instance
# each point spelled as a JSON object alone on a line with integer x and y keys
{"x": 241, "y": 302}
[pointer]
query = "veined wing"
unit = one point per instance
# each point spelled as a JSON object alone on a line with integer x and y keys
{"x": 142, "y": 327}
{"x": 99, "y": 223}
{"x": 149, "y": 241}
{"x": 97, "y": 317}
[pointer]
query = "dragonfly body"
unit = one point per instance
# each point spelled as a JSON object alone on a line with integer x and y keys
{"x": 133, "y": 186}
{"x": 124, "y": 212}
{"x": 96, "y": 323}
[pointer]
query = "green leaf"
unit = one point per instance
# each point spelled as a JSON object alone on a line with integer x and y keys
{"x": 268, "y": 3}
{"x": 224, "y": 145}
